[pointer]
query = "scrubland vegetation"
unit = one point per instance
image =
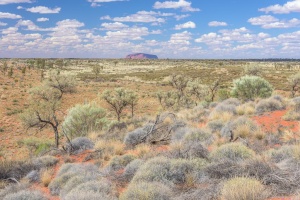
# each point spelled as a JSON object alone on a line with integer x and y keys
{"x": 141, "y": 129}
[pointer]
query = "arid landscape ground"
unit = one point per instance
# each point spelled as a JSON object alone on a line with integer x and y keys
{"x": 167, "y": 150}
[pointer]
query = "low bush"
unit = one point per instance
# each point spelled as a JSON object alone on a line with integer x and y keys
{"x": 79, "y": 144}
{"x": 45, "y": 161}
{"x": 268, "y": 105}
{"x": 94, "y": 189}
{"x": 15, "y": 169}
{"x": 232, "y": 151}
{"x": 13, "y": 189}
{"x": 33, "y": 176}
{"x": 137, "y": 136}
{"x": 241, "y": 127}
{"x": 119, "y": 162}
{"x": 216, "y": 125}
{"x": 168, "y": 171}
{"x": 69, "y": 171}
{"x": 146, "y": 190}
{"x": 25, "y": 195}
{"x": 199, "y": 135}
{"x": 188, "y": 150}
{"x": 242, "y": 188}
{"x": 131, "y": 169}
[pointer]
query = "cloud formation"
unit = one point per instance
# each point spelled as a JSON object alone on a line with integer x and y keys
{"x": 290, "y": 6}
{"x": 217, "y": 23}
{"x": 43, "y": 10}
{"x": 183, "y": 4}
{"x": 188, "y": 24}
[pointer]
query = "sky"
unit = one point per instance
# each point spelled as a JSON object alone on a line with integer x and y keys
{"x": 179, "y": 29}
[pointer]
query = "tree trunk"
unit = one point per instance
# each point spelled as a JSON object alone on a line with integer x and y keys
{"x": 56, "y": 136}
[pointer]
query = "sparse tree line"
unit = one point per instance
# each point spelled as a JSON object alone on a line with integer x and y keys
{"x": 45, "y": 106}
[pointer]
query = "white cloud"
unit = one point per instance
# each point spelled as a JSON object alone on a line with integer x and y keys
{"x": 43, "y": 19}
{"x": 20, "y": 7}
{"x": 43, "y": 10}
{"x": 113, "y": 26}
{"x": 189, "y": 24}
{"x": 4, "y": 2}
{"x": 290, "y": 6}
{"x": 183, "y": 4}
{"x": 217, "y": 23}
{"x": 3, "y": 24}
{"x": 9, "y": 15}
{"x": 268, "y": 21}
{"x": 141, "y": 16}
{"x": 95, "y": 3}
{"x": 181, "y": 38}
{"x": 179, "y": 17}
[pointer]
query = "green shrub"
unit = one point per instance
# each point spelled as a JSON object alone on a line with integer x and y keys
{"x": 232, "y": 151}
{"x": 242, "y": 188}
{"x": 146, "y": 190}
{"x": 83, "y": 119}
{"x": 251, "y": 87}
{"x": 119, "y": 162}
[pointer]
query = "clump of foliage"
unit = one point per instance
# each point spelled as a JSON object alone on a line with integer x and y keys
{"x": 251, "y": 87}
{"x": 83, "y": 119}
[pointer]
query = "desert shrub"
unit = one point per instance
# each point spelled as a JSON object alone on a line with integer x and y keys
{"x": 189, "y": 150}
{"x": 180, "y": 133}
{"x": 240, "y": 127}
{"x": 246, "y": 108}
{"x": 221, "y": 108}
{"x": 83, "y": 119}
{"x": 131, "y": 169}
{"x": 146, "y": 190}
{"x": 13, "y": 189}
{"x": 159, "y": 132}
{"x": 257, "y": 168}
{"x": 73, "y": 182}
{"x": 198, "y": 135}
{"x": 68, "y": 171}
{"x": 25, "y": 195}
{"x": 293, "y": 113}
{"x": 251, "y": 87}
{"x": 33, "y": 176}
{"x": 137, "y": 136}
{"x": 80, "y": 144}
{"x": 232, "y": 101}
{"x": 45, "y": 161}
{"x": 15, "y": 169}
{"x": 232, "y": 151}
{"x": 210, "y": 191}
{"x": 215, "y": 125}
{"x": 253, "y": 70}
{"x": 168, "y": 171}
{"x": 268, "y": 105}
{"x": 94, "y": 189}
{"x": 46, "y": 176}
{"x": 291, "y": 152}
{"x": 223, "y": 94}
{"x": 223, "y": 169}
{"x": 119, "y": 162}
{"x": 242, "y": 188}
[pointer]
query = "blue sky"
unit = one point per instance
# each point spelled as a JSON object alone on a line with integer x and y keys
{"x": 169, "y": 29}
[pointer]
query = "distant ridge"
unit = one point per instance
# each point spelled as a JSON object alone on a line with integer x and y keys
{"x": 141, "y": 56}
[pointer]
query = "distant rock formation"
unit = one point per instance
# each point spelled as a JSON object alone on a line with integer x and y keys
{"x": 141, "y": 56}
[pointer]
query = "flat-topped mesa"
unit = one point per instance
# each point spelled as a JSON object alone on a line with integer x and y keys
{"x": 141, "y": 56}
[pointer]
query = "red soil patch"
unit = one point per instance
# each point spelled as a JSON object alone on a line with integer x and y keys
{"x": 273, "y": 121}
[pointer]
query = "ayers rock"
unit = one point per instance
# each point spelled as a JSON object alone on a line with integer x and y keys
{"x": 141, "y": 56}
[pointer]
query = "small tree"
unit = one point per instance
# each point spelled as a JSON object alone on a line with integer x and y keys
{"x": 5, "y": 67}
{"x": 62, "y": 83}
{"x": 82, "y": 119}
{"x": 294, "y": 83}
{"x": 117, "y": 99}
{"x": 43, "y": 110}
{"x": 132, "y": 101}
{"x": 213, "y": 89}
{"x": 97, "y": 70}
{"x": 251, "y": 87}
{"x": 11, "y": 72}
{"x": 253, "y": 70}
